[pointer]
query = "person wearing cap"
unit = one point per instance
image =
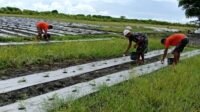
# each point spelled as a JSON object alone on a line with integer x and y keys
{"x": 141, "y": 45}
{"x": 42, "y": 28}
{"x": 179, "y": 40}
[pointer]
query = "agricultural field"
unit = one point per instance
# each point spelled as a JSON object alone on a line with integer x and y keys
{"x": 38, "y": 76}
{"x": 163, "y": 90}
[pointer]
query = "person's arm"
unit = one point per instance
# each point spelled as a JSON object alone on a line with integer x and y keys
{"x": 45, "y": 33}
{"x": 164, "y": 55}
{"x": 129, "y": 46}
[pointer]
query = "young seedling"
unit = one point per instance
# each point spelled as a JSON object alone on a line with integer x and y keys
{"x": 93, "y": 65}
{"x": 108, "y": 79}
{"x": 92, "y": 84}
{"x": 21, "y": 105}
{"x": 64, "y": 71}
{"x": 46, "y": 75}
{"x": 80, "y": 68}
{"x": 53, "y": 97}
{"x": 105, "y": 63}
{"x": 50, "y": 99}
{"x": 22, "y": 80}
{"x": 74, "y": 90}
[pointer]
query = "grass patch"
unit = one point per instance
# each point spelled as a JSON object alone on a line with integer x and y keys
{"x": 15, "y": 39}
{"x": 119, "y": 29}
{"x": 161, "y": 91}
{"x": 19, "y": 56}
{"x": 66, "y": 37}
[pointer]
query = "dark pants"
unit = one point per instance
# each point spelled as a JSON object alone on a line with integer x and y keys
{"x": 179, "y": 48}
{"x": 143, "y": 48}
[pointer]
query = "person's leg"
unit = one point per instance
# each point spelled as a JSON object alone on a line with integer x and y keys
{"x": 142, "y": 55}
{"x": 182, "y": 45}
{"x": 143, "y": 50}
{"x": 139, "y": 54}
{"x": 138, "y": 59}
{"x": 177, "y": 51}
{"x": 39, "y": 36}
{"x": 48, "y": 37}
{"x": 176, "y": 57}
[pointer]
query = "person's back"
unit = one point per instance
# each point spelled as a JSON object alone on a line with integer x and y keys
{"x": 138, "y": 37}
{"x": 43, "y": 25}
{"x": 42, "y": 29}
{"x": 179, "y": 40}
{"x": 174, "y": 40}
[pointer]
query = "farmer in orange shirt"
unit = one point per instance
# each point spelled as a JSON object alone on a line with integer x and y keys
{"x": 179, "y": 40}
{"x": 42, "y": 28}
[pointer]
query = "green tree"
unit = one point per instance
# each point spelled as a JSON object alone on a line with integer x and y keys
{"x": 191, "y": 7}
{"x": 122, "y": 17}
{"x": 54, "y": 11}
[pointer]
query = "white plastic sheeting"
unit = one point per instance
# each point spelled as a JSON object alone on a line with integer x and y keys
{"x": 38, "y": 103}
{"x": 163, "y": 29}
{"x": 12, "y": 24}
{"x": 13, "y": 33}
{"x": 39, "y": 78}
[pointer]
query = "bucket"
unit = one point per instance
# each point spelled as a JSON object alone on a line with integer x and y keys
{"x": 170, "y": 61}
{"x": 48, "y": 36}
{"x": 133, "y": 55}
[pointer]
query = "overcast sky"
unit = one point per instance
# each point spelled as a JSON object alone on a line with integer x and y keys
{"x": 165, "y": 10}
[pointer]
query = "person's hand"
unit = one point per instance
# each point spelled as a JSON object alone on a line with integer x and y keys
{"x": 162, "y": 61}
{"x": 135, "y": 46}
{"x": 125, "y": 53}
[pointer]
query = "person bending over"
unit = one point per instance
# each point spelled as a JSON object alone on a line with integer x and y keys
{"x": 179, "y": 40}
{"x": 141, "y": 45}
{"x": 42, "y": 29}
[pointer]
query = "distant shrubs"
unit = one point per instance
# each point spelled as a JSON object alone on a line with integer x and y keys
{"x": 10, "y": 10}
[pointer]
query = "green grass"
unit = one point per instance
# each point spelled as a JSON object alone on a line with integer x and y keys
{"x": 15, "y": 39}
{"x": 66, "y": 37}
{"x": 161, "y": 91}
{"x": 19, "y": 56}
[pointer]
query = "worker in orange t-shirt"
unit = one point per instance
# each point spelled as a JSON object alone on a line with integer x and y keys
{"x": 42, "y": 28}
{"x": 179, "y": 40}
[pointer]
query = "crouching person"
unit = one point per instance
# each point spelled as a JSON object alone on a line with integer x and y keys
{"x": 42, "y": 29}
{"x": 179, "y": 40}
{"x": 141, "y": 45}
